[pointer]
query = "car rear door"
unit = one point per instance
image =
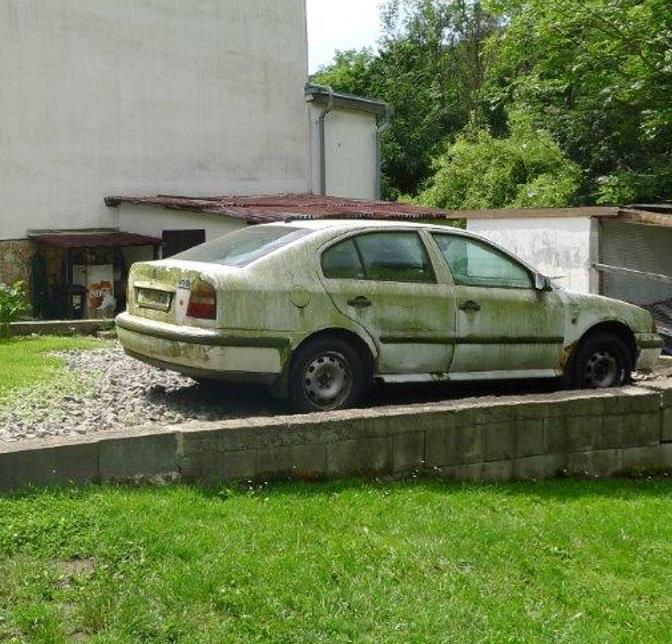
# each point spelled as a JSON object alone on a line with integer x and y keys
{"x": 385, "y": 281}
{"x": 505, "y": 327}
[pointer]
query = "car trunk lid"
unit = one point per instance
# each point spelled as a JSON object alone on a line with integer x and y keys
{"x": 161, "y": 290}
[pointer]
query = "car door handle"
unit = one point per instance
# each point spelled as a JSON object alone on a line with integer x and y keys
{"x": 360, "y": 302}
{"x": 470, "y": 306}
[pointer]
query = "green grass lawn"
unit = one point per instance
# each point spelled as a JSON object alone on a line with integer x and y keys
{"x": 24, "y": 361}
{"x": 559, "y": 561}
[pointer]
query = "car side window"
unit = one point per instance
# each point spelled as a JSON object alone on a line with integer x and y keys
{"x": 388, "y": 257}
{"x": 342, "y": 261}
{"x": 475, "y": 263}
{"x": 395, "y": 257}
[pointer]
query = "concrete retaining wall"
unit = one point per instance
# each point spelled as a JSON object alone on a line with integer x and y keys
{"x": 540, "y": 436}
{"x": 61, "y": 327}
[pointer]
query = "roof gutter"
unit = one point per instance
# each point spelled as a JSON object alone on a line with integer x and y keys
{"x": 323, "y": 137}
{"x": 382, "y": 128}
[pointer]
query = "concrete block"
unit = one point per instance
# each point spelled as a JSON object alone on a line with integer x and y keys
{"x": 29, "y": 468}
{"x": 641, "y": 458}
{"x": 441, "y": 446}
{"x": 470, "y": 444}
{"x": 529, "y": 437}
{"x": 369, "y": 455}
{"x": 76, "y": 463}
{"x": 219, "y": 466}
{"x": 555, "y": 434}
{"x": 641, "y": 430}
{"x": 481, "y": 472}
{"x": 408, "y": 452}
{"x": 596, "y": 463}
{"x": 538, "y": 467}
{"x": 127, "y": 457}
{"x": 295, "y": 460}
{"x": 637, "y": 400}
{"x": 666, "y": 429}
{"x": 499, "y": 441}
{"x": 583, "y": 432}
{"x": 610, "y": 434}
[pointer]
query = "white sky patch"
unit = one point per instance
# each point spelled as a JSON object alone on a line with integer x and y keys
{"x": 340, "y": 24}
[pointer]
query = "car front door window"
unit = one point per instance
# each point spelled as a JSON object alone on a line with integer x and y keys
{"x": 474, "y": 263}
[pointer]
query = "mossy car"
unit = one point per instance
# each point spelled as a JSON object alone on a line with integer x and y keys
{"x": 320, "y": 310}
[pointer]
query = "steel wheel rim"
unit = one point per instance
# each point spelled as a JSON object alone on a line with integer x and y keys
{"x": 327, "y": 380}
{"x": 601, "y": 370}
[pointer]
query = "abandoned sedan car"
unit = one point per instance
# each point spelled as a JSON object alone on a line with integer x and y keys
{"x": 322, "y": 309}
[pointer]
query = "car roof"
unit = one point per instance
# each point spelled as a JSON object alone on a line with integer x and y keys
{"x": 355, "y": 224}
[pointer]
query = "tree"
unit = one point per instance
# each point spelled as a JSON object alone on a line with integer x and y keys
{"x": 598, "y": 75}
{"x": 429, "y": 68}
{"x": 525, "y": 169}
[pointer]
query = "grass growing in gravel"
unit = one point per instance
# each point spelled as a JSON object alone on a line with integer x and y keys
{"x": 26, "y": 361}
{"x": 340, "y": 562}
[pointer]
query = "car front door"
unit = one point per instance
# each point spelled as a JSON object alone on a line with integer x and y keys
{"x": 386, "y": 283}
{"x": 505, "y": 327}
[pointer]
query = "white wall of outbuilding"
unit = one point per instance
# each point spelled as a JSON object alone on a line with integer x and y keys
{"x": 564, "y": 248}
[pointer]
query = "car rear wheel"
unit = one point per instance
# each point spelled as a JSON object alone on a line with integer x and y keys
{"x": 326, "y": 374}
{"x": 603, "y": 360}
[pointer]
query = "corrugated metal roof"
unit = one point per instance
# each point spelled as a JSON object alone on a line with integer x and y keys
{"x": 269, "y": 208}
{"x": 95, "y": 240}
{"x": 280, "y": 207}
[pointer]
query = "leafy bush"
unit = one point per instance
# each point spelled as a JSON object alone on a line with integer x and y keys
{"x": 12, "y": 305}
{"x": 527, "y": 169}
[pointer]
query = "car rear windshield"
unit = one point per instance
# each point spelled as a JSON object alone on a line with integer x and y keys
{"x": 243, "y": 247}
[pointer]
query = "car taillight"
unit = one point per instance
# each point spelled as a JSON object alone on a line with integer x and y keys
{"x": 202, "y": 301}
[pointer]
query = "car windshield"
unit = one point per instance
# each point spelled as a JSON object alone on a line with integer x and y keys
{"x": 243, "y": 247}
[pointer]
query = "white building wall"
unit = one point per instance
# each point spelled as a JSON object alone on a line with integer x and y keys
{"x": 152, "y": 221}
{"x": 350, "y": 141}
{"x": 197, "y": 97}
{"x": 561, "y": 248}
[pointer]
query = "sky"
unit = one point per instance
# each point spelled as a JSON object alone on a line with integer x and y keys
{"x": 340, "y": 24}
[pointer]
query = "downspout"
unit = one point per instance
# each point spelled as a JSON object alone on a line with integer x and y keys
{"x": 323, "y": 139}
{"x": 382, "y": 128}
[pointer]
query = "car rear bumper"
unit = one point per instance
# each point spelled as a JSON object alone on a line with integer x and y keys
{"x": 204, "y": 353}
{"x": 649, "y": 346}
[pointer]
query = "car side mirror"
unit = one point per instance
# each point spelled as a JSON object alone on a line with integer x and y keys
{"x": 541, "y": 282}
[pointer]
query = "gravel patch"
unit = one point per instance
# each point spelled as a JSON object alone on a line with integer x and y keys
{"x": 105, "y": 390}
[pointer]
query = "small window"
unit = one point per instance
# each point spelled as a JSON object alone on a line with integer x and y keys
{"x": 342, "y": 262}
{"x": 474, "y": 263}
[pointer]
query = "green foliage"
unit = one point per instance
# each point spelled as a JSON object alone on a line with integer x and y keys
{"x": 429, "y": 68}
{"x": 597, "y": 74}
{"x": 13, "y": 304}
{"x": 525, "y": 169}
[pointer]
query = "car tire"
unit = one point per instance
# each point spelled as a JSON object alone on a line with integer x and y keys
{"x": 602, "y": 360}
{"x": 326, "y": 374}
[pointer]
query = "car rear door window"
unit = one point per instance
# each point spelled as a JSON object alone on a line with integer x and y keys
{"x": 342, "y": 261}
{"x": 386, "y": 257}
{"x": 395, "y": 257}
{"x": 475, "y": 263}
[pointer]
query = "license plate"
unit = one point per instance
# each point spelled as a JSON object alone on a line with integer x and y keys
{"x": 151, "y": 299}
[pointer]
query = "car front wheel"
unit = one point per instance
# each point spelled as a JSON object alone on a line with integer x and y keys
{"x": 603, "y": 360}
{"x": 326, "y": 374}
